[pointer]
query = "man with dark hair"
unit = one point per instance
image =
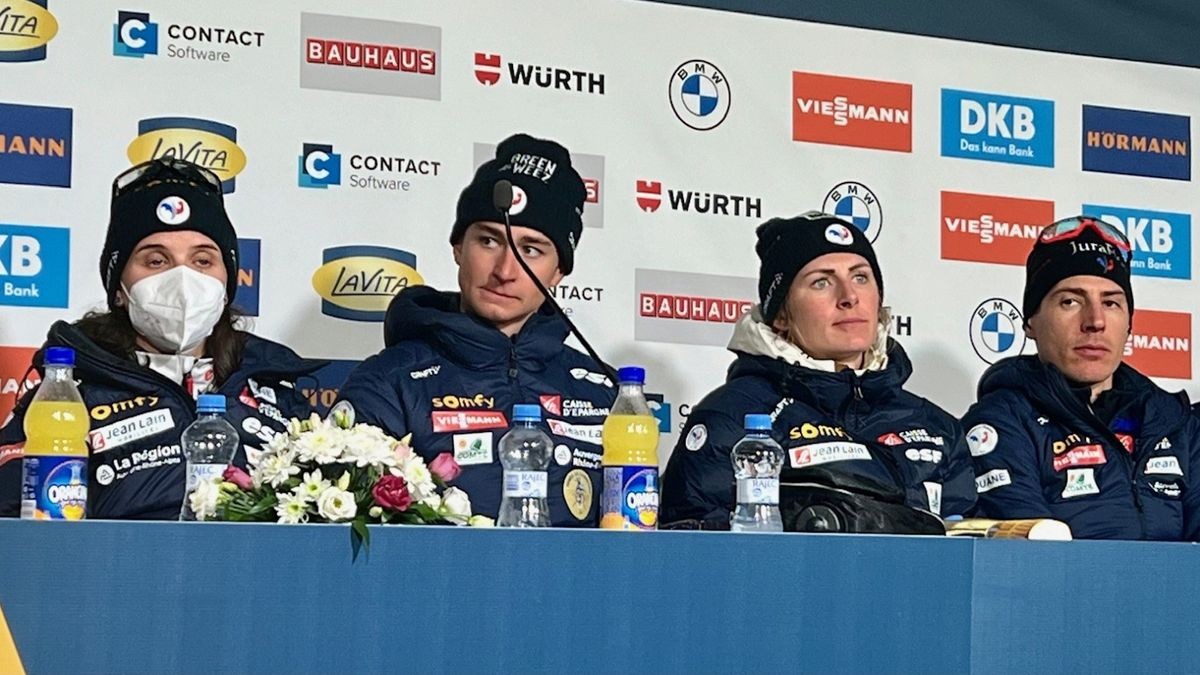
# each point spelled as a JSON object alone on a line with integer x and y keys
{"x": 1074, "y": 433}
{"x": 455, "y": 363}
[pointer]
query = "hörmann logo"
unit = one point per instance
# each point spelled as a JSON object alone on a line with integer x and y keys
{"x": 997, "y": 128}
{"x": 689, "y": 308}
{"x": 35, "y": 145}
{"x": 1137, "y": 143}
{"x": 249, "y": 265}
{"x": 358, "y": 282}
{"x": 649, "y": 198}
{"x": 991, "y": 228}
{"x": 489, "y": 68}
{"x": 849, "y": 111}
{"x": 369, "y": 56}
{"x": 1161, "y": 240}
{"x": 210, "y": 144}
{"x": 25, "y": 28}
{"x": 321, "y": 167}
{"x": 591, "y": 170}
{"x": 1160, "y": 344}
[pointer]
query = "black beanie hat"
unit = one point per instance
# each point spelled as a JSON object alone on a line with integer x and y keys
{"x": 548, "y": 194}
{"x": 786, "y": 245}
{"x": 1080, "y": 250}
{"x": 167, "y": 197}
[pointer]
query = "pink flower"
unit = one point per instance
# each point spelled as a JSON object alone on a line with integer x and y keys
{"x": 238, "y": 477}
{"x": 391, "y": 492}
{"x": 445, "y": 468}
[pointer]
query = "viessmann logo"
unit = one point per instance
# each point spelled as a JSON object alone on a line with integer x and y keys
{"x": 1161, "y": 344}
{"x": 210, "y": 144}
{"x": 25, "y": 28}
{"x": 689, "y": 308}
{"x": 850, "y": 111}
{"x": 358, "y": 282}
{"x": 991, "y": 228}
{"x": 369, "y": 56}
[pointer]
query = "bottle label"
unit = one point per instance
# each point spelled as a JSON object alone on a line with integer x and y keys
{"x": 630, "y": 498}
{"x": 198, "y": 473}
{"x": 525, "y": 484}
{"x": 758, "y": 491}
{"x": 55, "y": 488}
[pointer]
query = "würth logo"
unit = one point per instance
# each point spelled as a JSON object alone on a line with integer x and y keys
{"x": 649, "y": 198}
{"x": 489, "y": 68}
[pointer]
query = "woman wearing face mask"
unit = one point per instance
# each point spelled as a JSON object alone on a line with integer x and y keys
{"x": 815, "y": 355}
{"x": 169, "y": 268}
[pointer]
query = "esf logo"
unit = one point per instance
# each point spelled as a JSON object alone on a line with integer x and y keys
{"x": 34, "y": 265}
{"x": 358, "y": 282}
{"x": 850, "y": 111}
{"x": 997, "y": 128}
{"x": 1161, "y": 241}
{"x": 1137, "y": 143}
{"x": 700, "y": 95}
{"x": 212, "y": 145}
{"x": 25, "y": 28}
{"x": 1160, "y": 344}
{"x": 997, "y": 330}
{"x": 134, "y": 35}
{"x": 35, "y": 145}
{"x": 488, "y": 72}
{"x": 249, "y": 264}
{"x": 649, "y": 198}
{"x": 856, "y": 204}
{"x": 320, "y": 166}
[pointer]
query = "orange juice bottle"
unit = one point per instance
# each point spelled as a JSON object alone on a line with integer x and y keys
{"x": 630, "y": 439}
{"x": 56, "y": 427}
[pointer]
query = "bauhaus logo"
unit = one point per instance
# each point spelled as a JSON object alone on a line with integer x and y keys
{"x": 490, "y": 69}
{"x": 997, "y": 128}
{"x": 136, "y": 35}
{"x": 991, "y": 228}
{"x": 1160, "y": 344}
{"x": 591, "y": 170}
{"x": 650, "y": 194}
{"x": 321, "y": 167}
{"x": 1161, "y": 241}
{"x": 25, "y": 28}
{"x": 35, "y": 145}
{"x": 1137, "y": 143}
{"x": 358, "y": 282}
{"x": 850, "y": 111}
{"x": 34, "y": 265}
{"x": 689, "y": 308}
{"x": 210, "y": 144}
{"x": 249, "y": 267}
{"x": 369, "y": 56}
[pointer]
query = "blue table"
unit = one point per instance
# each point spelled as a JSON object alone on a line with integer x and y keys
{"x": 170, "y": 597}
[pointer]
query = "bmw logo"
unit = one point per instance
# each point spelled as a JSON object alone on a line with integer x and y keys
{"x": 699, "y": 95}
{"x": 997, "y": 330}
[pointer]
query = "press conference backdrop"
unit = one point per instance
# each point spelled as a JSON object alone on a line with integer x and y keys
{"x": 344, "y": 132}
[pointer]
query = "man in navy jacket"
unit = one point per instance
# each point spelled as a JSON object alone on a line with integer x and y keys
{"x": 455, "y": 363}
{"x": 1074, "y": 433}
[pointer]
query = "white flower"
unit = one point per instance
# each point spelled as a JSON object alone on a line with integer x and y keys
{"x": 312, "y": 485}
{"x": 481, "y": 521}
{"x": 417, "y": 475}
{"x": 433, "y": 501}
{"x": 276, "y": 469}
{"x": 366, "y": 446}
{"x": 375, "y": 511}
{"x": 336, "y": 505}
{"x": 322, "y": 445}
{"x": 291, "y": 508}
{"x": 203, "y": 499}
{"x": 456, "y": 506}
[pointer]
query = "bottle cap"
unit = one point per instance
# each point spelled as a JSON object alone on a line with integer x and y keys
{"x": 631, "y": 375}
{"x": 758, "y": 422}
{"x": 526, "y": 412}
{"x": 60, "y": 356}
{"x": 210, "y": 403}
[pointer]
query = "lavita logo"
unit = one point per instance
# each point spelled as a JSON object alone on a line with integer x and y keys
{"x": 1161, "y": 241}
{"x": 997, "y": 128}
{"x": 358, "y": 282}
{"x": 210, "y": 144}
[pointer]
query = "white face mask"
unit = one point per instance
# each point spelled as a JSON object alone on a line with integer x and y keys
{"x": 177, "y": 309}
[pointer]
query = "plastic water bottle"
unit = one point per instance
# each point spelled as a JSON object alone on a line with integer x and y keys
{"x": 525, "y": 454}
{"x": 55, "y": 483}
{"x": 209, "y": 444}
{"x": 757, "y": 461}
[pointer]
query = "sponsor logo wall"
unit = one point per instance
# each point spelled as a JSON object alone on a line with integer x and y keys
{"x": 343, "y": 135}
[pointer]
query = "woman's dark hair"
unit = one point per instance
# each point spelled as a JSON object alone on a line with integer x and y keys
{"x": 113, "y": 332}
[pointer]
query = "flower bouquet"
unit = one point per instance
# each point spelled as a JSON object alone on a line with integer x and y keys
{"x": 331, "y": 471}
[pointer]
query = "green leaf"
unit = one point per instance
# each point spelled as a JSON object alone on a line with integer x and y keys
{"x": 360, "y": 538}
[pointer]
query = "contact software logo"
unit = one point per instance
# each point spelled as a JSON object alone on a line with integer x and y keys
{"x": 320, "y": 166}
{"x": 134, "y": 35}
{"x": 699, "y": 95}
{"x": 997, "y": 330}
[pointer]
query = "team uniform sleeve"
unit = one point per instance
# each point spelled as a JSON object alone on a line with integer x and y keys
{"x": 375, "y": 398}
{"x": 958, "y": 492}
{"x": 12, "y": 445}
{"x": 698, "y": 483}
{"x": 1191, "y": 499}
{"x": 1007, "y": 475}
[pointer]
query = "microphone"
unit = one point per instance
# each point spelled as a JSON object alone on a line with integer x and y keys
{"x": 502, "y": 199}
